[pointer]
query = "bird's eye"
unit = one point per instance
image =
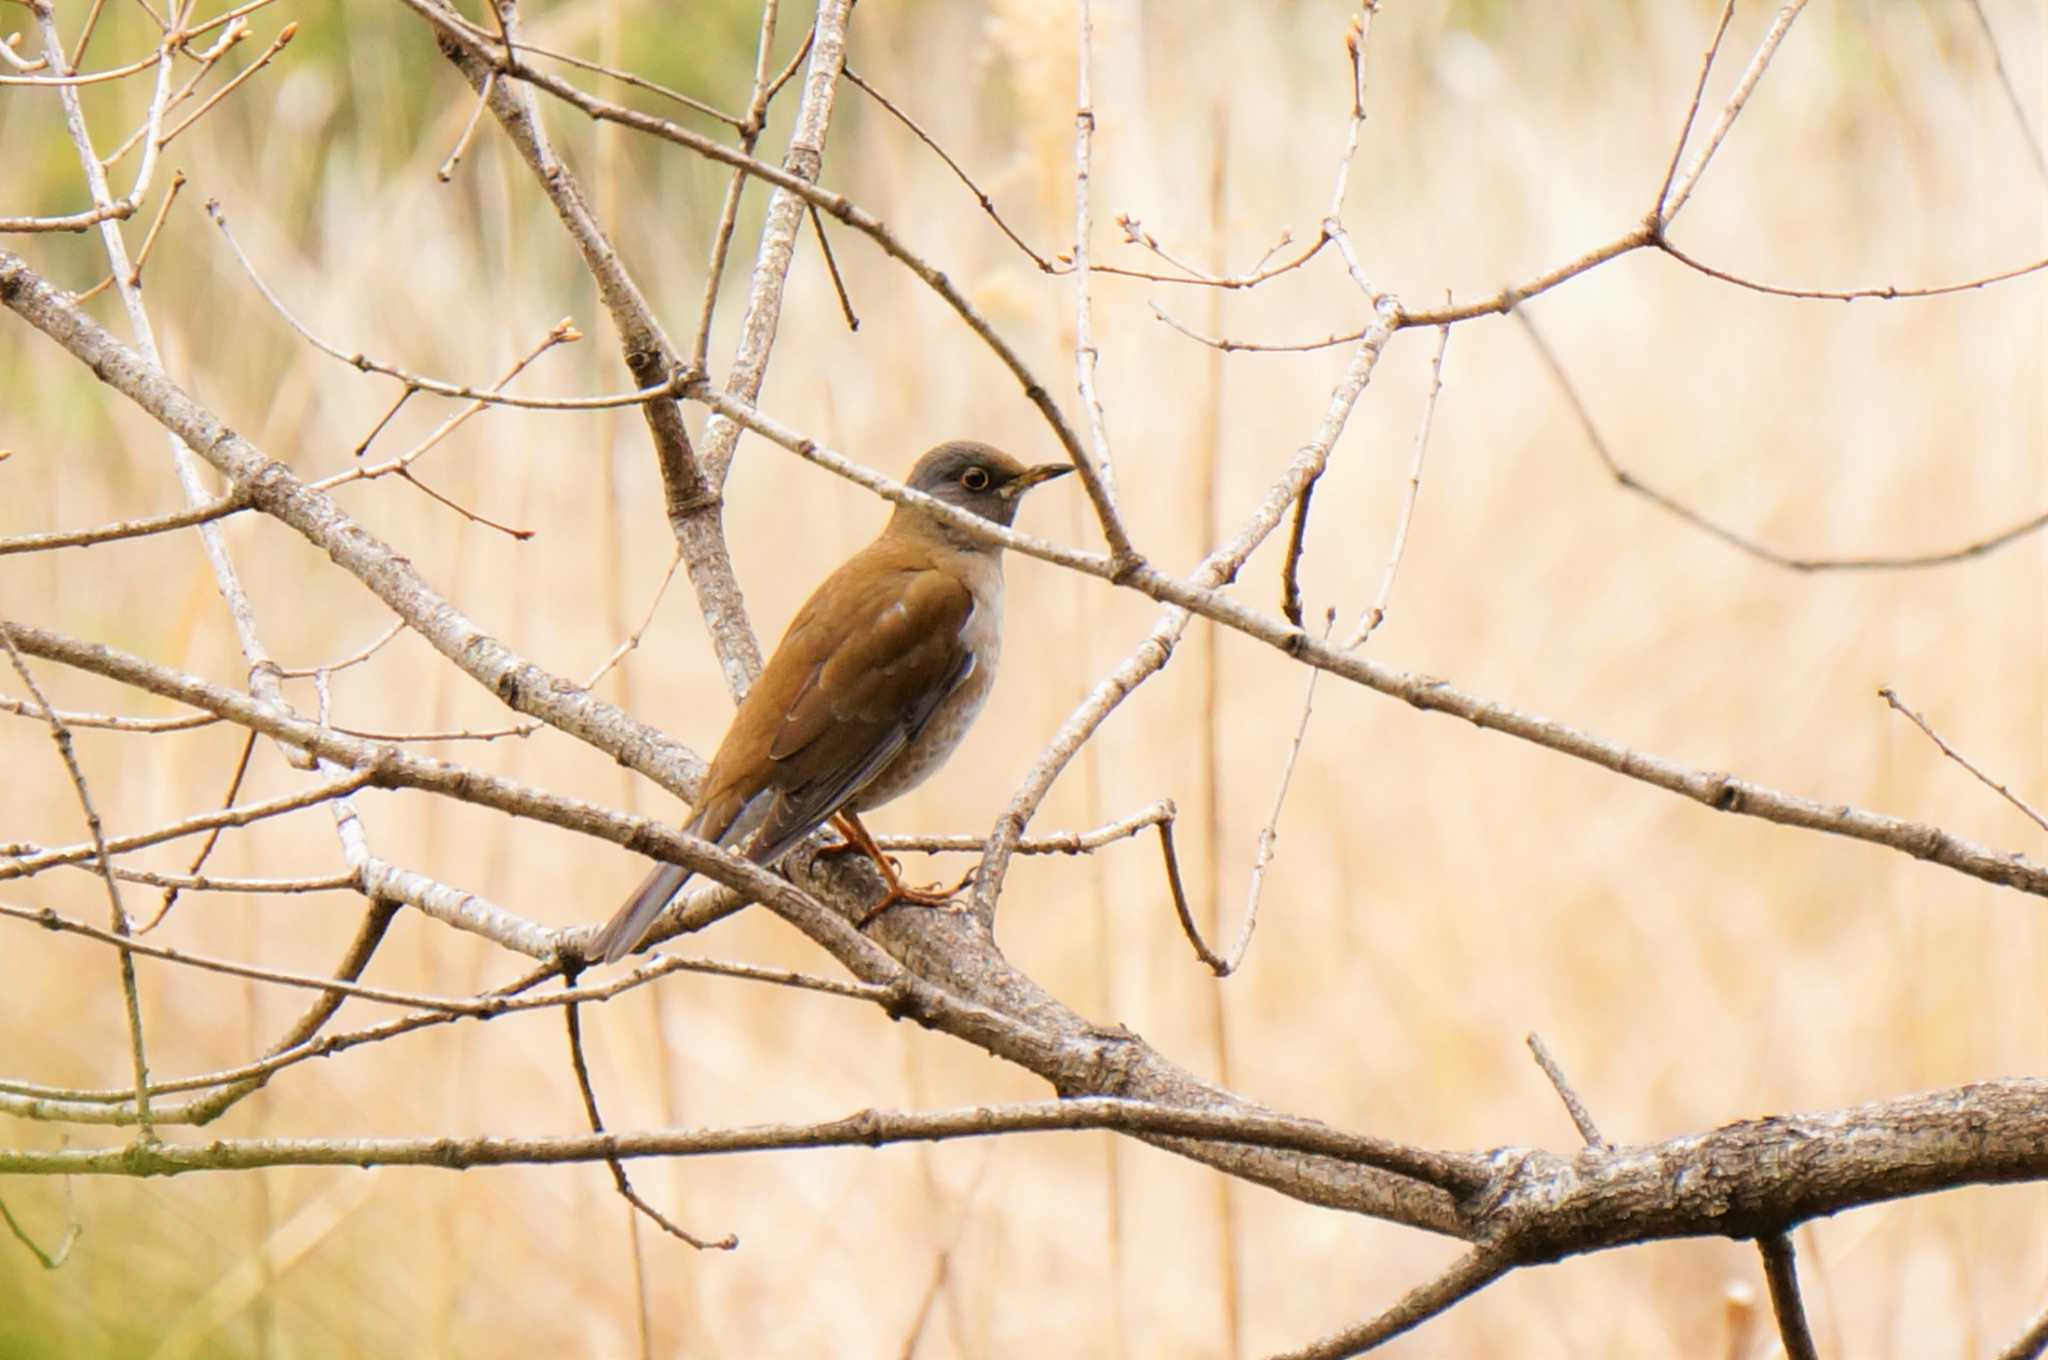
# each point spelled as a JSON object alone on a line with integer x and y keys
{"x": 975, "y": 479}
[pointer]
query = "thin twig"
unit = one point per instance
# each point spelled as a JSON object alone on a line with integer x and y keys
{"x": 49, "y": 1260}
{"x": 1290, "y": 562}
{"x": 1668, "y": 207}
{"x": 117, "y": 913}
{"x": 637, "y": 82}
{"x": 500, "y": 1001}
{"x": 1219, "y": 567}
{"x": 47, "y": 918}
{"x": 405, "y": 394}
{"x": 355, "y": 658}
{"x": 668, "y": 388}
{"x": 111, "y": 721}
{"x": 632, "y": 639}
{"x": 234, "y": 34}
{"x": 619, "y": 1179}
{"x": 92, "y": 23}
{"x": 1692, "y": 110}
{"x": 204, "y": 513}
{"x": 1471, "y": 1273}
{"x": 163, "y": 210}
{"x": 1098, "y": 469}
{"x": 1883, "y": 292}
{"x": 1263, "y": 271}
{"x": 476, "y": 113}
{"x": 1372, "y": 618}
{"x": 980, "y": 196}
{"x": 1781, "y": 1273}
{"x": 803, "y": 161}
{"x": 1177, "y": 888}
{"x": 170, "y": 898}
{"x": 729, "y": 211}
{"x": 518, "y": 535}
{"x": 1628, "y": 481}
{"x": 1269, "y": 834}
{"x": 1582, "y": 1118}
{"x": 27, "y": 866}
{"x": 832, "y": 267}
{"x": 91, "y": 77}
{"x": 1046, "y": 843}
{"x": 2030, "y": 1344}
{"x": 2012, "y": 95}
{"x": 1229, "y": 346}
{"x": 277, "y": 45}
{"x": 1890, "y": 696}
{"x": 561, "y": 333}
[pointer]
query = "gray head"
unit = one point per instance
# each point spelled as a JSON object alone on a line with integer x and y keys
{"x": 979, "y": 478}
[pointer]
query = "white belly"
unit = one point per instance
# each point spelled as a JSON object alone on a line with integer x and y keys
{"x": 956, "y": 713}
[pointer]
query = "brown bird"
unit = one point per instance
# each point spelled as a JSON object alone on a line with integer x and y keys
{"x": 878, "y": 678}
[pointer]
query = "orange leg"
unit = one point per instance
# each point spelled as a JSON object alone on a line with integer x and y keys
{"x": 857, "y": 838}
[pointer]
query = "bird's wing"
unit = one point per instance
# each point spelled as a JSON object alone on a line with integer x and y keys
{"x": 880, "y": 651}
{"x": 865, "y": 664}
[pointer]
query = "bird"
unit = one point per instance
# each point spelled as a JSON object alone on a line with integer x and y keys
{"x": 872, "y": 688}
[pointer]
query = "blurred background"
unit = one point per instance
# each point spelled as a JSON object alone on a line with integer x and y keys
{"x": 1439, "y": 892}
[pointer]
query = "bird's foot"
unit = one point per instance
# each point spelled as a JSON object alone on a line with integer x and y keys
{"x": 937, "y": 897}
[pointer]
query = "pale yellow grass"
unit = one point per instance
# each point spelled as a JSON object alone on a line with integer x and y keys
{"x": 1439, "y": 891}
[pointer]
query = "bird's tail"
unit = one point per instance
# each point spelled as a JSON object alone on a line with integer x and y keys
{"x": 623, "y": 932}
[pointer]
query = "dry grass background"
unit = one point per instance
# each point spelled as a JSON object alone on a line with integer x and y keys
{"x": 1439, "y": 891}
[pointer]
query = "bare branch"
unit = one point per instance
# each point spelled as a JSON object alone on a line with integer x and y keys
{"x": 691, "y": 495}
{"x": 277, "y": 492}
{"x": 526, "y": 687}
{"x": 471, "y": 49}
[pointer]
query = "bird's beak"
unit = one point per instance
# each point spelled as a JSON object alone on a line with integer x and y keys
{"x": 1031, "y": 477}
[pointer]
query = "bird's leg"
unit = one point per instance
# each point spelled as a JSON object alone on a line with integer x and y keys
{"x": 857, "y": 838}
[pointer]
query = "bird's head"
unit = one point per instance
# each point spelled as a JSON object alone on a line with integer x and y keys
{"x": 979, "y": 478}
